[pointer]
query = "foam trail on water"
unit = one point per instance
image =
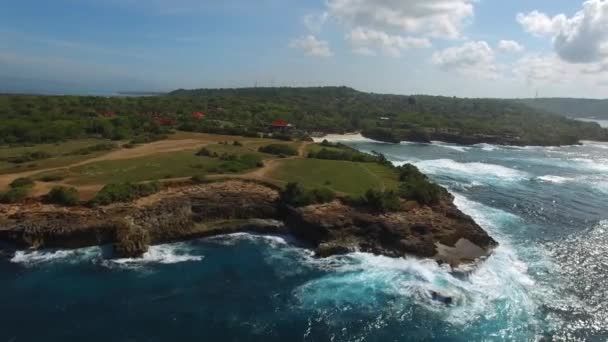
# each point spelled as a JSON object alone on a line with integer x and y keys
{"x": 161, "y": 254}
{"x": 33, "y": 258}
{"x": 475, "y": 170}
{"x": 454, "y": 147}
{"x": 554, "y": 179}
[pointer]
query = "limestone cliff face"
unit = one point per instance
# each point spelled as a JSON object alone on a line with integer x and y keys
{"x": 442, "y": 232}
{"x": 337, "y": 228}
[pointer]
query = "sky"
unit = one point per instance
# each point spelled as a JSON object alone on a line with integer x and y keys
{"x": 467, "y": 48}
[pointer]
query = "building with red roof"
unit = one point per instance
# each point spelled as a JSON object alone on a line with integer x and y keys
{"x": 280, "y": 124}
{"x": 199, "y": 115}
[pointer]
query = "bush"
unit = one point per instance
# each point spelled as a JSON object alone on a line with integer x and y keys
{"x": 63, "y": 196}
{"x": 199, "y": 179}
{"x": 23, "y": 182}
{"x": 204, "y": 152}
{"x": 349, "y": 155}
{"x": 416, "y": 186}
{"x": 425, "y": 193}
{"x": 28, "y": 157}
{"x": 278, "y": 149}
{"x": 295, "y": 195}
{"x": 383, "y": 201}
{"x": 145, "y": 139}
{"x": 124, "y": 192}
{"x": 14, "y": 195}
{"x": 95, "y": 148}
{"x": 52, "y": 178}
{"x": 237, "y": 143}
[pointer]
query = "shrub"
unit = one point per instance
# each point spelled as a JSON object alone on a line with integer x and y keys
{"x": 204, "y": 152}
{"x": 278, "y": 149}
{"x": 145, "y": 139}
{"x": 23, "y": 182}
{"x": 199, "y": 179}
{"x": 237, "y": 143}
{"x": 95, "y": 148}
{"x": 416, "y": 186}
{"x": 124, "y": 192}
{"x": 383, "y": 201}
{"x": 29, "y": 157}
{"x": 14, "y": 195}
{"x": 349, "y": 155}
{"x": 52, "y": 178}
{"x": 63, "y": 196}
{"x": 295, "y": 195}
{"x": 423, "y": 192}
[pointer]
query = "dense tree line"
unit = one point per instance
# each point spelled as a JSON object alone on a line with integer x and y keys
{"x": 572, "y": 108}
{"x": 35, "y": 119}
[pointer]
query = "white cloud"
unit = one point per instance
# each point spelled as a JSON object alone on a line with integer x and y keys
{"x": 314, "y": 22}
{"x": 510, "y": 46}
{"x": 582, "y": 38}
{"x": 312, "y": 46}
{"x": 551, "y": 69}
{"x": 435, "y": 18}
{"x": 365, "y": 41}
{"x": 474, "y": 58}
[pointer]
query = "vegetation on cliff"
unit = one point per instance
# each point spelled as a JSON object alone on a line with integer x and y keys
{"x": 66, "y": 196}
{"x": 295, "y": 195}
{"x": 124, "y": 192}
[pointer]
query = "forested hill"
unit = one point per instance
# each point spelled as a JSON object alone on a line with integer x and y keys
{"x": 572, "y": 108}
{"x": 400, "y": 117}
{"x": 34, "y": 119}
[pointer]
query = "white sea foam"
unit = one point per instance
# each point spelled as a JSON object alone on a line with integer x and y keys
{"x": 32, "y": 258}
{"x": 596, "y": 144}
{"x": 479, "y": 171}
{"x": 361, "y": 282}
{"x": 487, "y": 147}
{"x": 454, "y": 147}
{"x": 554, "y": 179}
{"x": 161, "y": 254}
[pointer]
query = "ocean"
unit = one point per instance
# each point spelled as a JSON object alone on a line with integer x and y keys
{"x": 548, "y": 279}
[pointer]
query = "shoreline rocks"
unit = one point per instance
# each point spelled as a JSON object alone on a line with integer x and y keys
{"x": 196, "y": 211}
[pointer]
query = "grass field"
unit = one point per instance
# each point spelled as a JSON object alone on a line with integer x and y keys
{"x": 319, "y": 147}
{"x": 340, "y": 176}
{"x": 57, "y": 151}
{"x": 159, "y": 166}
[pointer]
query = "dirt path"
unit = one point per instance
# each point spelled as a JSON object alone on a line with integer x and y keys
{"x": 165, "y": 146}
{"x": 269, "y": 166}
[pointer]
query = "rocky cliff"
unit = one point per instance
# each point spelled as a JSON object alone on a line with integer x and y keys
{"x": 441, "y": 232}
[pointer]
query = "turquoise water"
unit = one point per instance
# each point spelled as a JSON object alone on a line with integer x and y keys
{"x": 548, "y": 279}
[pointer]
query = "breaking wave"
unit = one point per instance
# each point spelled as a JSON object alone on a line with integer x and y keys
{"x": 476, "y": 170}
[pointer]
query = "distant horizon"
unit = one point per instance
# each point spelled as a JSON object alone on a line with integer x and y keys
{"x": 463, "y": 48}
{"x": 140, "y": 92}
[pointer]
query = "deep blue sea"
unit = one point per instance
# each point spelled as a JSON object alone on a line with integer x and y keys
{"x": 548, "y": 280}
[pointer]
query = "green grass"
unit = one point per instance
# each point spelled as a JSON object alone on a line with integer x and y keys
{"x": 156, "y": 167}
{"x": 58, "y": 152}
{"x": 318, "y": 147}
{"x": 340, "y": 176}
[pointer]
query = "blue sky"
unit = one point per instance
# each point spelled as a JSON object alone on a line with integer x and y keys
{"x": 473, "y": 48}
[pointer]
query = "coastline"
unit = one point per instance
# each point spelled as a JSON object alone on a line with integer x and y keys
{"x": 220, "y": 208}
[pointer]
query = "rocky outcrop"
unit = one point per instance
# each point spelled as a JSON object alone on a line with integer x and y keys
{"x": 337, "y": 228}
{"x": 441, "y": 232}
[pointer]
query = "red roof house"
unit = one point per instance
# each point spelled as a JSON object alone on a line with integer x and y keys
{"x": 280, "y": 123}
{"x": 198, "y": 115}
